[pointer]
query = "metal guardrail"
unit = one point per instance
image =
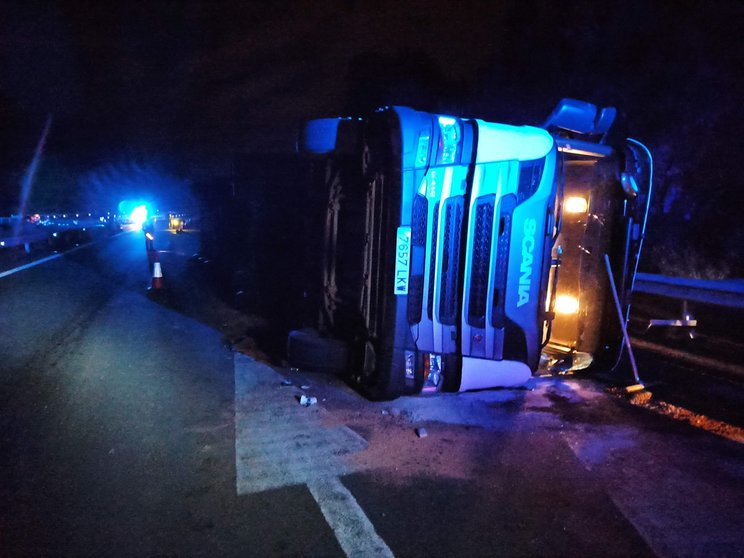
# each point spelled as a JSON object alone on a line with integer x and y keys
{"x": 725, "y": 292}
{"x": 27, "y": 238}
{"x": 15, "y": 232}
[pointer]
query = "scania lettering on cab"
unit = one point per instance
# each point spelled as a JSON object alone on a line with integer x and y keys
{"x": 460, "y": 254}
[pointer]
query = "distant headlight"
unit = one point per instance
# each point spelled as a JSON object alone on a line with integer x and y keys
{"x": 566, "y": 304}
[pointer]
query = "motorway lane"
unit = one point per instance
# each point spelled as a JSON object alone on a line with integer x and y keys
{"x": 119, "y": 438}
{"x": 117, "y": 431}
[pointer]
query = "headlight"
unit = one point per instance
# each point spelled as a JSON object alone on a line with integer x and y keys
{"x": 566, "y": 304}
{"x": 410, "y": 364}
{"x": 575, "y": 204}
{"x": 433, "y": 372}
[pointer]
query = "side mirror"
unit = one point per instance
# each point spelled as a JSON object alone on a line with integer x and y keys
{"x": 318, "y": 136}
{"x": 574, "y": 116}
{"x": 323, "y": 136}
{"x": 604, "y": 121}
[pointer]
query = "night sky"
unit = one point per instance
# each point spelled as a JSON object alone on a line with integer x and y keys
{"x": 179, "y": 88}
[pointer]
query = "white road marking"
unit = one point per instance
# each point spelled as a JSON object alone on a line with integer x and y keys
{"x": 49, "y": 258}
{"x": 29, "y": 265}
{"x": 280, "y": 443}
{"x": 354, "y": 531}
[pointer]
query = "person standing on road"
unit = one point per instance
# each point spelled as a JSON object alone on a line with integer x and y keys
{"x": 149, "y": 229}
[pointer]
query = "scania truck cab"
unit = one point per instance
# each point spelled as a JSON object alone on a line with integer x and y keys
{"x": 455, "y": 253}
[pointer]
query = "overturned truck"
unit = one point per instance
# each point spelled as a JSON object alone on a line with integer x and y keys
{"x": 457, "y": 254}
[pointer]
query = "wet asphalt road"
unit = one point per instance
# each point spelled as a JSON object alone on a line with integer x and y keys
{"x": 128, "y": 428}
{"x": 117, "y": 434}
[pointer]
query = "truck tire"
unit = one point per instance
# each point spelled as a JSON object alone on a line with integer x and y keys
{"x": 307, "y": 350}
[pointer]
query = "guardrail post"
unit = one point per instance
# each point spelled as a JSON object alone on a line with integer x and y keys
{"x": 687, "y": 321}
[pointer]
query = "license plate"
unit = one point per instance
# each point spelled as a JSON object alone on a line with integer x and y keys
{"x": 402, "y": 260}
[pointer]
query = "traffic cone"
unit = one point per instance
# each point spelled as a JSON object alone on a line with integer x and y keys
{"x": 157, "y": 276}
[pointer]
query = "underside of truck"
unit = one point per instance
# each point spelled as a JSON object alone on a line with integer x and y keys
{"x": 604, "y": 210}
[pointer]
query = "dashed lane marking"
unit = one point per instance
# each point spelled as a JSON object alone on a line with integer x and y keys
{"x": 280, "y": 443}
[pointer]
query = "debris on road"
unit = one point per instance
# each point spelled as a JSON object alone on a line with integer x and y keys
{"x": 286, "y": 382}
{"x": 305, "y": 386}
{"x": 421, "y": 432}
{"x": 306, "y": 401}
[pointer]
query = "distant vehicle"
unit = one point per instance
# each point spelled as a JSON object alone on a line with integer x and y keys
{"x": 460, "y": 254}
{"x": 176, "y": 222}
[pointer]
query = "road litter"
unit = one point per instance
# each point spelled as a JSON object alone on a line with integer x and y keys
{"x": 305, "y": 386}
{"x": 306, "y": 401}
{"x": 286, "y": 382}
{"x": 421, "y": 432}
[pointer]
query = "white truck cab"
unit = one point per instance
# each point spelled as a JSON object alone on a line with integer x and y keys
{"x": 462, "y": 254}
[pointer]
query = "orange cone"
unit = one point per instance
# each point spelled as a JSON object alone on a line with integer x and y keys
{"x": 157, "y": 276}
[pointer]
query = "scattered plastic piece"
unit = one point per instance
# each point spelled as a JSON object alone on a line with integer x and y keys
{"x": 421, "y": 432}
{"x": 305, "y": 386}
{"x": 306, "y": 401}
{"x": 286, "y": 382}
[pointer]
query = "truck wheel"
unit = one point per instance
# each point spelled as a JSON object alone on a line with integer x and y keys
{"x": 307, "y": 350}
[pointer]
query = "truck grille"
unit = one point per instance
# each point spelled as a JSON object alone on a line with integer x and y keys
{"x": 432, "y": 261}
{"x": 530, "y": 173}
{"x": 506, "y": 209}
{"x": 482, "y": 234}
{"x": 453, "y": 215}
{"x": 418, "y": 245}
{"x": 418, "y": 221}
{"x": 415, "y": 298}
